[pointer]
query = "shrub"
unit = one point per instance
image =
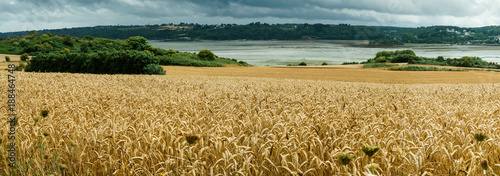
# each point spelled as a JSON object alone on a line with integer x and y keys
{"x": 158, "y": 51}
{"x": 381, "y": 59}
{"x": 114, "y": 62}
{"x": 64, "y": 51}
{"x": 7, "y": 58}
{"x": 440, "y": 59}
{"x": 243, "y": 63}
{"x": 186, "y": 59}
{"x": 68, "y": 41}
{"x": 378, "y": 65}
{"x": 85, "y": 47}
{"x": 25, "y": 57}
{"x": 324, "y": 63}
{"x": 350, "y": 63}
{"x": 171, "y": 52}
{"x": 137, "y": 43}
{"x": 384, "y": 54}
{"x": 407, "y": 52}
{"x": 89, "y": 38}
{"x": 419, "y": 68}
{"x": 302, "y": 64}
{"x": 21, "y": 67}
{"x": 400, "y": 58}
{"x": 467, "y": 61}
{"x": 154, "y": 69}
{"x": 206, "y": 55}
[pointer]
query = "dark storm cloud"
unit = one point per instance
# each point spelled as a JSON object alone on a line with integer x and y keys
{"x": 36, "y": 14}
{"x": 420, "y": 7}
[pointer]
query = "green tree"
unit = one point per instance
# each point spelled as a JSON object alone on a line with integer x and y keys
{"x": 206, "y": 55}
{"x": 467, "y": 61}
{"x": 68, "y": 41}
{"x": 171, "y": 52}
{"x": 32, "y": 34}
{"x": 85, "y": 47}
{"x": 384, "y": 54}
{"x": 381, "y": 59}
{"x": 137, "y": 43}
{"x": 88, "y": 37}
{"x": 25, "y": 57}
{"x": 65, "y": 51}
{"x": 440, "y": 59}
{"x": 7, "y": 58}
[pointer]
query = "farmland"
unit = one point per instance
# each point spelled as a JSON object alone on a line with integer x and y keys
{"x": 218, "y": 121}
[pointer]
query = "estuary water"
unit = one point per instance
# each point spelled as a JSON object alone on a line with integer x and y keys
{"x": 279, "y": 53}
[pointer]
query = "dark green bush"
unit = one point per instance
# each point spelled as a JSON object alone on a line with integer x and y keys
{"x": 138, "y": 43}
{"x": 7, "y": 58}
{"x": 398, "y": 56}
{"x": 187, "y": 59}
{"x": 171, "y": 52}
{"x": 154, "y": 69}
{"x": 113, "y": 62}
{"x": 440, "y": 59}
{"x": 401, "y": 58}
{"x": 243, "y": 63}
{"x": 350, "y": 63}
{"x": 25, "y": 57}
{"x": 419, "y": 68}
{"x": 381, "y": 59}
{"x": 302, "y": 64}
{"x": 466, "y": 61}
{"x": 378, "y": 65}
{"x": 21, "y": 66}
{"x": 206, "y": 55}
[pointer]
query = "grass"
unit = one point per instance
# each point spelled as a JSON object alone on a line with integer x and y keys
{"x": 209, "y": 125}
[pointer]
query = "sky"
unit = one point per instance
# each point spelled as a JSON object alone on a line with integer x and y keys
{"x": 23, "y": 15}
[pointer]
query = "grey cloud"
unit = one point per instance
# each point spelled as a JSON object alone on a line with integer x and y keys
{"x": 36, "y": 13}
{"x": 399, "y": 7}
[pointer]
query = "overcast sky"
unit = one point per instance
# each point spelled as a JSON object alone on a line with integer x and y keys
{"x": 22, "y": 15}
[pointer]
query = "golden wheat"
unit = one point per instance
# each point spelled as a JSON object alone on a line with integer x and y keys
{"x": 193, "y": 125}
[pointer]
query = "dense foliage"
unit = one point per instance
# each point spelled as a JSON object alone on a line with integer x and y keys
{"x": 466, "y": 61}
{"x": 206, "y": 55}
{"x": 189, "y": 59}
{"x": 420, "y": 68}
{"x": 263, "y": 31}
{"x": 408, "y": 56}
{"x": 99, "y": 55}
{"x": 114, "y": 62}
{"x": 393, "y": 56}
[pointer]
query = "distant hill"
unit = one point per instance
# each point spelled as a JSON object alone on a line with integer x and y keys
{"x": 385, "y": 35}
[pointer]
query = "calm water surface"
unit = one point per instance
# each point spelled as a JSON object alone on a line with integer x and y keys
{"x": 275, "y": 53}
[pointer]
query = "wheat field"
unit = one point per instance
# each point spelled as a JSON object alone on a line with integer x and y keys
{"x": 216, "y": 125}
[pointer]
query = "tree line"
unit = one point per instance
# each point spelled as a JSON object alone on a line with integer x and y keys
{"x": 408, "y": 56}
{"x": 264, "y": 31}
